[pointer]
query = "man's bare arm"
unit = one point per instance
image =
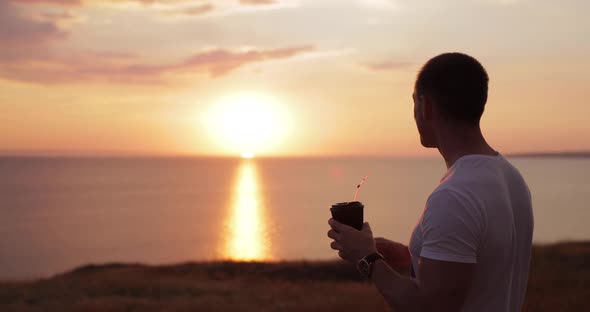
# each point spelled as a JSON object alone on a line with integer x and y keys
{"x": 443, "y": 286}
{"x": 396, "y": 255}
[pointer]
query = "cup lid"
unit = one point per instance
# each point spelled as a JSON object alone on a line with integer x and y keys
{"x": 347, "y": 204}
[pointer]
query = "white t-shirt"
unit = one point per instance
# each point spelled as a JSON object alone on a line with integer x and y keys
{"x": 481, "y": 213}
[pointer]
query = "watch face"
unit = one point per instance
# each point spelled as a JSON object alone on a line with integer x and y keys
{"x": 364, "y": 268}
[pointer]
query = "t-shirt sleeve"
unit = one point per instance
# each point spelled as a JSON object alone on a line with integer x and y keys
{"x": 451, "y": 228}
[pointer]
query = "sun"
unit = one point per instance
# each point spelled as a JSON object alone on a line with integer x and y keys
{"x": 247, "y": 155}
{"x": 248, "y": 124}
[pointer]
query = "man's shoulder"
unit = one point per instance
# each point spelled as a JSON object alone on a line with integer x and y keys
{"x": 474, "y": 175}
{"x": 480, "y": 186}
{"x": 455, "y": 184}
{"x": 447, "y": 196}
{"x": 463, "y": 192}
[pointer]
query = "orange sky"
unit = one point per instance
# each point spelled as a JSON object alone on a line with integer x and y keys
{"x": 143, "y": 76}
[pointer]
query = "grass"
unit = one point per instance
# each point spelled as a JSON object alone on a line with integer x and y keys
{"x": 559, "y": 278}
{"x": 559, "y": 281}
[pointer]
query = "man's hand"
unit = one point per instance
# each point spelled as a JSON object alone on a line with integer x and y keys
{"x": 396, "y": 255}
{"x": 353, "y": 245}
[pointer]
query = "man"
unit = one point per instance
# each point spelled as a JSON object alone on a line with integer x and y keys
{"x": 470, "y": 249}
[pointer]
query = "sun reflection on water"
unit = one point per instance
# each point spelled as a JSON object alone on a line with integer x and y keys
{"x": 247, "y": 238}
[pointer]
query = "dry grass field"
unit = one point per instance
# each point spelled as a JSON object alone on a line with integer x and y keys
{"x": 559, "y": 281}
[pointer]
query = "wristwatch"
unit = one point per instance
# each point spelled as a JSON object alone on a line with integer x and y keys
{"x": 365, "y": 265}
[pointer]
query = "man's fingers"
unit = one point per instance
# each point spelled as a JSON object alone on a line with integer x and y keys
{"x": 367, "y": 227}
{"x": 334, "y": 235}
{"x": 336, "y": 245}
{"x": 339, "y": 227}
{"x": 343, "y": 255}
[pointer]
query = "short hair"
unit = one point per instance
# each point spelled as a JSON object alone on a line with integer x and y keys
{"x": 458, "y": 83}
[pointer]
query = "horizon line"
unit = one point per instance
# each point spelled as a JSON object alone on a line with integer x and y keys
{"x": 102, "y": 154}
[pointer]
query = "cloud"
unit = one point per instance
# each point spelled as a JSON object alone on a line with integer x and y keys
{"x": 191, "y": 10}
{"x": 220, "y": 62}
{"x": 28, "y": 54}
{"x": 58, "y": 16}
{"x": 377, "y": 4}
{"x": 131, "y": 69}
{"x": 388, "y": 66}
{"x": 328, "y": 53}
{"x": 81, "y": 2}
{"x": 175, "y": 8}
{"x": 216, "y": 63}
{"x": 258, "y": 2}
{"x": 56, "y": 2}
{"x": 166, "y": 7}
{"x": 22, "y": 36}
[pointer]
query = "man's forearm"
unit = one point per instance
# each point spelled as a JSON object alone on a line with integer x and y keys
{"x": 400, "y": 292}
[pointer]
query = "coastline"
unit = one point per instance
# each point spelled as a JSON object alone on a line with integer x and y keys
{"x": 559, "y": 281}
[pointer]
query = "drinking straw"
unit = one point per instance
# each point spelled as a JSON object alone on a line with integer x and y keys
{"x": 359, "y": 186}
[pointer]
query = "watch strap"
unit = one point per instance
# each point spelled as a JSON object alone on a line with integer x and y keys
{"x": 370, "y": 259}
{"x": 373, "y": 257}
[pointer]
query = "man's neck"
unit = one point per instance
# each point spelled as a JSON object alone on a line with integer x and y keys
{"x": 458, "y": 141}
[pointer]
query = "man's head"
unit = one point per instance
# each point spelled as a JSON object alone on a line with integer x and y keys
{"x": 451, "y": 89}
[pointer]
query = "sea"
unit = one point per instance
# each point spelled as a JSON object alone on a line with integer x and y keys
{"x": 59, "y": 213}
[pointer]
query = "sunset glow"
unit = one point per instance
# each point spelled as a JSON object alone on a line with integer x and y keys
{"x": 280, "y": 78}
{"x": 247, "y": 155}
{"x": 246, "y": 238}
{"x": 247, "y": 124}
